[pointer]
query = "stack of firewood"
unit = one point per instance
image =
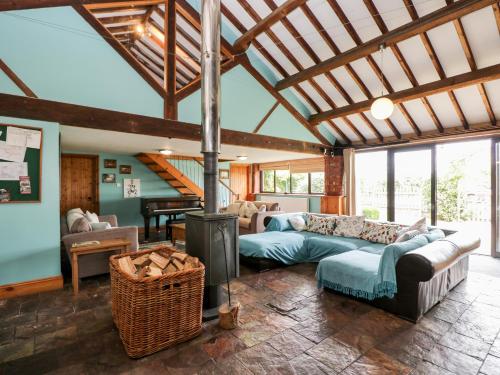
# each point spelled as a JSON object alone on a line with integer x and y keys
{"x": 157, "y": 264}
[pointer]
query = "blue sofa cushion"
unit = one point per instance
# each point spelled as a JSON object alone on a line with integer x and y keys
{"x": 323, "y": 246}
{"x": 288, "y": 247}
{"x": 353, "y": 272}
{"x": 374, "y": 248}
{"x": 280, "y": 223}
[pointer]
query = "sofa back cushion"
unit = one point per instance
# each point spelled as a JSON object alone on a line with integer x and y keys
{"x": 233, "y": 208}
{"x": 73, "y": 215}
{"x": 280, "y": 222}
{"x": 270, "y": 206}
{"x": 320, "y": 224}
{"x": 81, "y": 225}
{"x": 298, "y": 222}
{"x": 349, "y": 226}
{"x": 385, "y": 233}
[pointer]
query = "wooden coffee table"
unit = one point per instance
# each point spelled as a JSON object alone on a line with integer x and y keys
{"x": 178, "y": 232}
{"x": 104, "y": 245}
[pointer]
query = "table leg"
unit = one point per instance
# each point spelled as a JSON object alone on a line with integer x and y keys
{"x": 74, "y": 268}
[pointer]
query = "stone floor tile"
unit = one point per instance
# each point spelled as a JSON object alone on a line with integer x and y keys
{"x": 17, "y": 349}
{"x": 428, "y": 368}
{"x": 222, "y": 346}
{"x": 6, "y": 335}
{"x": 232, "y": 366}
{"x": 484, "y": 330}
{"x": 55, "y": 339}
{"x": 467, "y": 345}
{"x": 448, "y": 310}
{"x": 453, "y": 361}
{"x": 491, "y": 366}
{"x": 495, "y": 348}
{"x": 333, "y": 354}
{"x": 254, "y": 333}
{"x": 290, "y": 344}
{"x": 376, "y": 362}
{"x": 262, "y": 359}
{"x": 304, "y": 364}
{"x": 314, "y": 330}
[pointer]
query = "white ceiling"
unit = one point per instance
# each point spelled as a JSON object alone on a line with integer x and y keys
{"x": 94, "y": 141}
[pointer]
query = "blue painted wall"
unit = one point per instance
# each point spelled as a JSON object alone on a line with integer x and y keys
{"x": 29, "y": 232}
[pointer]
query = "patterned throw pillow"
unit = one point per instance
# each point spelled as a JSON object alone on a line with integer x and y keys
{"x": 349, "y": 226}
{"x": 320, "y": 224}
{"x": 81, "y": 225}
{"x": 385, "y": 233}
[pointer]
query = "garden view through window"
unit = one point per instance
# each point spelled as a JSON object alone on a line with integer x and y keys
{"x": 282, "y": 181}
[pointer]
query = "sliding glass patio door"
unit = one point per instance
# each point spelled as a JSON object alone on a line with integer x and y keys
{"x": 412, "y": 185}
{"x": 495, "y": 197}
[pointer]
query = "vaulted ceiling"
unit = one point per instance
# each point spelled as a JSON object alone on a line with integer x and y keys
{"x": 441, "y": 64}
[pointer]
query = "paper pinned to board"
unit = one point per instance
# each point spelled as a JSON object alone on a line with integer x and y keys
{"x": 11, "y": 152}
{"x": 12, "y": 171}
{"x": 23, "y": 137}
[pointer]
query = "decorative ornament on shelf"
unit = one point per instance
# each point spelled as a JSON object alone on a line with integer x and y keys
{"x": 382, "y": 107}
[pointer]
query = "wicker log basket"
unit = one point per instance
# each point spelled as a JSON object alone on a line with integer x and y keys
{"x": 156, "y": 312}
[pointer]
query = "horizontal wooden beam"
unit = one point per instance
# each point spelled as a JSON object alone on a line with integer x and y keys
{"x": 103, "y": 119}
{"x": 421, "y": 25}
{"x": 243, "y": 42}
{"x": 485, "y": 129}
{"x": 6, "y": 5}
{"x": 452, "y": 83}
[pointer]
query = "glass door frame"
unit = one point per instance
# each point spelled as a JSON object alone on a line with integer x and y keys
{"x": 391, "y": 179}
{"x": 495, "y": 157}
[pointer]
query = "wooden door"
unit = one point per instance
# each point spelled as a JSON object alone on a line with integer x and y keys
{"x": 79, "y": 182}
{"x": 239, "y": 180}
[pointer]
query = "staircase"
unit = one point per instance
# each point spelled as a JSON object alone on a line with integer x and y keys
{"x": 174, "y": 177}
{"x": 185, "y": 174}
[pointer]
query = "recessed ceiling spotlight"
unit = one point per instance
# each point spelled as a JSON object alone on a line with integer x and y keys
{"x": 166, "y": 152}
{"x": 242, "y": 157}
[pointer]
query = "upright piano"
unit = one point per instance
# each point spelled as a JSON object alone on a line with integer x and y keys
{"x": 170, "y": 207}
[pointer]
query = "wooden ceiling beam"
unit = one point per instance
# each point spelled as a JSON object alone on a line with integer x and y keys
{"x": 7, "y": 5}
{"x": 276, "y": 15}
{"x": 266, "y": 117}
{"x": 435, "y": 61}
{"x": 103, "y": 13}
{"x": 496, "y": 12}
{"x": 462, "y": 36}
{"x": 336, "y": 129}
{"x": 427, "y": 22}
{"x": 118, "y": 47}
{"x": 112, "y": 4}
{"x": 432, "y": 88}
{"x": 169, "y": 61}
{"x": 102, "y": 119}
{"x": 455, "y": 133}
{"x": 17, "y": 81}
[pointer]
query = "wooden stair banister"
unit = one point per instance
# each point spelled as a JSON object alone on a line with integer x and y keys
{"x": 168, "y": 172}
{"x": 222, "y": 182}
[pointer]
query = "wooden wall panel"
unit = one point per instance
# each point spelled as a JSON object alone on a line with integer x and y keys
{"x": 239, "y": 180}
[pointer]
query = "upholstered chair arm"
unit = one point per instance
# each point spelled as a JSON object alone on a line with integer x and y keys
{"x": 257, "y": 220}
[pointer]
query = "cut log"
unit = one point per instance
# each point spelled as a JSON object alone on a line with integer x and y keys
{"x": 158, "y": 260}
{"x": 142, "y": 260}
{"x": 127, "y": 266}
{"x": 180, "y": 256}
{"x": 143, "y": 272}
{"x": 170, "y": 268}
{"x": 228, "y": 315}
{"x": 178, "y": 264}
{"x": 154, "y": 271}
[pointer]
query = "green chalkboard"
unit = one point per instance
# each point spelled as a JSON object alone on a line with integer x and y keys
{"x": 33, "y": 158}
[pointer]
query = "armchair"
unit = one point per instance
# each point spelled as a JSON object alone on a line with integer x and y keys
{"x": 96, "y": 264}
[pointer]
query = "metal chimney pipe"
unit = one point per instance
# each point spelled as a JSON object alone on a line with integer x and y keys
{"x": 210, "y": 93}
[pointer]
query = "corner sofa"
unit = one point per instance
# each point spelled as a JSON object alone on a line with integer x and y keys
{"x": 406, "y": 278}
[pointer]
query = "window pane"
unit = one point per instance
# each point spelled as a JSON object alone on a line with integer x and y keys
{"x": 300, "y": 183}
{"x": 268, "y": 181}
{"x": 282, "y": 181}
{"x": 371, "y": 185}
{"x": 464, "y": 189}
{"x": 412, "y": 186}
{"x": 318, "y": 182}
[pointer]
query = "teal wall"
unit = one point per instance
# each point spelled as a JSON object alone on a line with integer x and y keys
{"x": 314, "y": 201}
{"x": 29, "y": 232}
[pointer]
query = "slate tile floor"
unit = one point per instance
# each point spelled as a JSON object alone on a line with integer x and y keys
{"x": 288, "y": 326}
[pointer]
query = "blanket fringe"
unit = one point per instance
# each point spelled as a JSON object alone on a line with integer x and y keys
{"x": 384, "y": 289}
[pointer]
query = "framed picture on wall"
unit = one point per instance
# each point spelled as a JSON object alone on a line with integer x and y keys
{"x": 109, "y": 163}
{"x": 125, "y": 169}
{"x": 108, "y": 178}
{"x": 224, "y": 174}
